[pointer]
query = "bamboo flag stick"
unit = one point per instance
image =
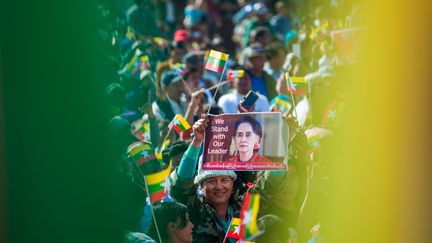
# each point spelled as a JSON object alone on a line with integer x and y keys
{"x": 217, "y": 88}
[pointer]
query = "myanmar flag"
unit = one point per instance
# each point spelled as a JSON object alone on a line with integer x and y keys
{"x": 297, "y": 85}
{"x": 235, "y": 74}
{"x": 248, "y": 216}
{"x": 144, "y": 62}
{"x": 234, "y": 229}
{"x": 280, "y": 103}
{"x": 144, "y": 156}
{"x": 143, "y": 133}
{"x": 179, "y": 124}
{"x": 158, "y": 185}
{"x": 216, "y": 61}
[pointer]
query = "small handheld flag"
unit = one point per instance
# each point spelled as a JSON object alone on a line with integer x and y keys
{"x": 136, "y": 65}
{"x": 234, "y": 229}
{"x": 280, "y": 103}
{"x": 179, "y": 124}
{"x": 297, "y": 85}
{"x": 216, "y": 61}
{"x": 158, "y": 184}
{"x": 143, "y": 132}
{"x": 248, "y": 216}
{"x": 235, "y": 74}
{"x": 145, "y": 157}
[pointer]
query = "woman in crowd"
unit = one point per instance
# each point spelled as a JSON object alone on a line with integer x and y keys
{"x": 173, "y": 223}
{"x": 247, "y": 139}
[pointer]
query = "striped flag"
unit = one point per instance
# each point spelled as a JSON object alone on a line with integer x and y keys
{"x": 179, "y": 124}
{"x": 280, "y": 103}
{"x": 136, "y": 65}
{"x": 143, "y": 133}
{"x": 144, "y": 62}
{"x": 331, "y": 113}
{"x": 297, "y": 85}
{"x": 248, "y": 216}
{"x": 216, "y": 61}
{"x": 144, "y": 156}
{"x": 235, "y": 74}
{"x": 234, "y": 229}
{"x": 158, "y": 184}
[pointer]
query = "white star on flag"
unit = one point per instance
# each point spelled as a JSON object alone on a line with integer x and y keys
{"x": 247, "y": 217}
{"x": 292, "y": 85}
{"x": 236, "y": 230}
{"x": 165, "y": 184}
{"x": 147, "y": 135}
{"x": 332, "y": 114}
{"x": 145, "y": 154}
{"x": 176, "y": 122}
{"x": 315, "y": 144}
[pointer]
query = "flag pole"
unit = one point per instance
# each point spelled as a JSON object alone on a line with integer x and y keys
{"x": 217, "y": 85}
{"x": 153, "y": 215}
{"x": 217, "y": 88}
{"x": 292, "y": 97}
{"x": 226, "y": 234}
{"x": 140, "y": 174}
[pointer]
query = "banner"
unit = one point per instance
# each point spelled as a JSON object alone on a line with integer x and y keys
{"x": 246, "y": 141}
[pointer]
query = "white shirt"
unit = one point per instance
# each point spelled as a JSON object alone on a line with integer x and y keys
{"x": 229, "y": 102}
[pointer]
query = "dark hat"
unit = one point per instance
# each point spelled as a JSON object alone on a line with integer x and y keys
{"x": 193, "y": 58}
{"x": 170, "y": 77}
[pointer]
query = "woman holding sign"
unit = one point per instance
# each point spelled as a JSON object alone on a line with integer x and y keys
{"x": 247, "y": 139}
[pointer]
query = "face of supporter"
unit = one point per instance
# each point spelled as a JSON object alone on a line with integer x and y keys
{"x": 278, "y": 60}
{"x": 243, "y": 84}
{"x": 193, "y": 80}
{"x": 265, "y": 39}
{"x": 217, "y": 190}
{"x": 245, "y": 138}
{"x": 177, "y": 54}
{"x": 174, "y": 90}
{"x": 183, "y": 234}
{"x": 257, "y": 62}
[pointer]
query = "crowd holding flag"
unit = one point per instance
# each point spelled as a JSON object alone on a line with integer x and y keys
{"x": 258, "y": 142}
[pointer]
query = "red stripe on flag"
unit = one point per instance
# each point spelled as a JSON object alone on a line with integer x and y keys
{"x": 156, "y": 197}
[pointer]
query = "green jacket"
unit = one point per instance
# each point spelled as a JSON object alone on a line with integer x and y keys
{"x": 203, "y": 216}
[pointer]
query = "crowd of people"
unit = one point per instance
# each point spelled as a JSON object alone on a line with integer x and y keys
{"x": 158, "y": 51}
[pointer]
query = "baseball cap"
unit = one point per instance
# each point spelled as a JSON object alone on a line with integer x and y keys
{"x": 180, "y": 35}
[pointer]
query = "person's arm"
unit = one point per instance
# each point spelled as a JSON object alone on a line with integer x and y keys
{"x": 182, "y": 186}
{"x": 188, "y": 163}
{"x": 196, "y": 97}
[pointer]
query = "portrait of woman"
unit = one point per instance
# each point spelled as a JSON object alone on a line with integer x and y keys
{"x": 247, "y": 138}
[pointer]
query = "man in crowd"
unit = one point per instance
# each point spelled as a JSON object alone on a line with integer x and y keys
{"x": 229, "y": 102}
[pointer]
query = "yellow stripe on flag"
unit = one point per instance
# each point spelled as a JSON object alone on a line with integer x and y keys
{"x": 158, "y": 177}
{"x": 253, "y": 226}
{"x": 236, "y": 221}
{"x": 218, "y": 55}
{"x": 137, "y": 149}
{"x": 183, "y": 122}
{"x": 298, "y": 79}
